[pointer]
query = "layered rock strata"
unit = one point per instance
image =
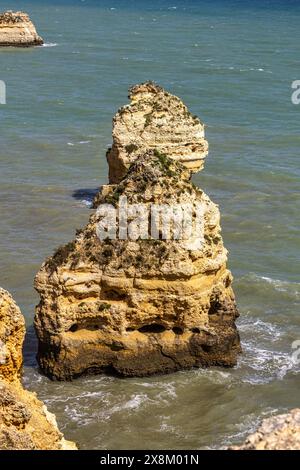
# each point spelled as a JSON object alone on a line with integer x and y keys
{"x": 155, "y": 119}
{"x": 16, "y": 29}
{"x": 139, "y": 306}
{"x": 25, "y": 423}
{"x": 276, "y": 433}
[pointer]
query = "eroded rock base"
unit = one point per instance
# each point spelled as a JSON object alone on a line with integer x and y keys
{"x": 138, "y": 354}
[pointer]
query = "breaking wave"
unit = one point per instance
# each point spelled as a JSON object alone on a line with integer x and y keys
{"x": 49, "y": 44}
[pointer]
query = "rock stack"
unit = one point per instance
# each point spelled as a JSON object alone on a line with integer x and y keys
{"x": 16, "y": 29}
{"x": 141, "y": 304}
{"x": 155, "y": 119}
{"x": 25, "y": 423}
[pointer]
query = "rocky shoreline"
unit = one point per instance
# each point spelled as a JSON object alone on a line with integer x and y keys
{"x": 25, "y": 422}
{"x": 17, "y": 30}
{"x": 280, "y": 432}
{"x": 129, "y": 306}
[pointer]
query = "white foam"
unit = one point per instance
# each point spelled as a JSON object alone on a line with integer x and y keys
{"x": 248, "y": 425}
{"x": 81, "y": 142}
{"x": 87, "y": 202}
{"x": 290, "y": 287}
{"x": 265, "y": 365}
{"x": 278, "y": 284}
{"x": 215, "y": 376}
{"x": 49, "y": 44}
{"x": 266, "y": 329}
{"x": 134, "y": 403}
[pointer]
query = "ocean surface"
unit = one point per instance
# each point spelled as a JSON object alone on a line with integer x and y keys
{"x": 233, "y": 63}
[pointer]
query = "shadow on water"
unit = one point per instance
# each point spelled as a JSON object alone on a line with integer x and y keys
{"x": 30, "y": 347}
{"x": 85, "y": 194}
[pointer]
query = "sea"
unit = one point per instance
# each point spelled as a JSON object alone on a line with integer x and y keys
{"x": 233, "y": 63}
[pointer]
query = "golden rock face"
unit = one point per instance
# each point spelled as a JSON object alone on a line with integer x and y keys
{"x": 16, "y": 29}
{"x": 144, "y": 306}
{"x": 12, "y": 332}
{"x": 155, "y": 119}
{"x": 25, "y": 423}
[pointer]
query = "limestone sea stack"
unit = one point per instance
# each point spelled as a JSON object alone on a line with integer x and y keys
{"x": 280, "y": 432}
{"x": 155, "y": 119}
{"x": 141, "y": 304}
{"x": 25, "y": 423}
{"x": 16, "y": 29}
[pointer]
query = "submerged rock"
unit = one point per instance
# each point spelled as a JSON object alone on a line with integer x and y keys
{"x": 280, "y": 432}
{"x": 16, "y": 29}
{"x": 155, "y": 119}
{"x": 25, "y": 423}
{"x": 140, "y": 305}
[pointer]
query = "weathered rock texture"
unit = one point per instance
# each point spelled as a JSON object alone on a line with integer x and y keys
{"x": 145, "y": 306}
{"x": 25, "y": 422}
{"x": 276, "y": 433}
{"x": 16, "y": 29}
{"x": 12, "y": 333}
{"x": 155, "y": 119}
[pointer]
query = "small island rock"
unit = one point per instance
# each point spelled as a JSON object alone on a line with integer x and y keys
{"x": 16, "y": 29}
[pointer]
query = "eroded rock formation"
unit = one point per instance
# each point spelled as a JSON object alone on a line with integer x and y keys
{"x": 16, "y": 29}
{"x": 140, "y": 306}
{"x": 25, "y": 422}
{"x": 155, "y": 119}
{"x": 12, "y": 333}
{"x": 276, "y": 433}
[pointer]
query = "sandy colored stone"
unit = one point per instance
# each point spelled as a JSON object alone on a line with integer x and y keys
{"x": 139, "y": 307}
{"x": 25, "y": 422}
{"x": 280, "y": 432}
{"x": 155, "y": 119}
{"x": 12, "y": 332}
{"x": 16, "y": 29}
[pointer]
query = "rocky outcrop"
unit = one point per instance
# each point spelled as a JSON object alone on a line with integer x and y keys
{"x": 16, "y": 29}
{"x": 139, "y": 305}
{"x": 155, "y": 119}
{"x": 12, "y": 333}
{"x": 276, "y": 433}
{"x": 25, "y": 422}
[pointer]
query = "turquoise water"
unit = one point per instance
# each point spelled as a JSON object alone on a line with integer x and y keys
{"x": 233, "y": 63}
